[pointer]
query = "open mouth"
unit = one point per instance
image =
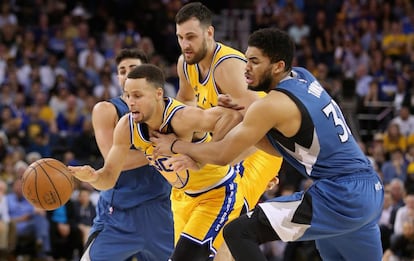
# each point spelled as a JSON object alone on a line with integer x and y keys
{"x": 135, "y": 115}
{"x": 249, "y": 79}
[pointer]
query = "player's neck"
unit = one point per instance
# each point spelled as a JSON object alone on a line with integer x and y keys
{"x": 154, "y": 123}
{"x": 205, "y": 64}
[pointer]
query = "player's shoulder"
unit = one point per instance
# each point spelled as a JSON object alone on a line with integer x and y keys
{"x": 180, "y": 61}
{"x": 104, "y": 113}
{"x": 104, "y": 107}
{"x": 228, "y": 49}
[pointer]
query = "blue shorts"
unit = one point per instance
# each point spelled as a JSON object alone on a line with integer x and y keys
{"x": 145, "y": 231}
{"x": 341, "y": 216}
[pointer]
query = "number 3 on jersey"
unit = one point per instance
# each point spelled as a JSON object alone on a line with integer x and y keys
{"x": 333, "y": 109}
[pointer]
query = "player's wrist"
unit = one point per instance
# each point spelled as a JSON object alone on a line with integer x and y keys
{"x": 172, "y": 146}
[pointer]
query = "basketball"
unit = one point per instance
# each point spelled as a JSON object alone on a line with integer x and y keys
{"x": 47, "y": 184}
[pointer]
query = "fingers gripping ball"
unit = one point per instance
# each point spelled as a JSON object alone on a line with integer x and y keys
{"x": 47, "y": 184}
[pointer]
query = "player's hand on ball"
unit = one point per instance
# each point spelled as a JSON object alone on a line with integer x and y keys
{"x": 84, "y": 173}
{"x": 182, "y": 162}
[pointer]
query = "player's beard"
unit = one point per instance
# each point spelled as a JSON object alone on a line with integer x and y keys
{"x": 265, "y": 83}
{"x": 199, "y": 55}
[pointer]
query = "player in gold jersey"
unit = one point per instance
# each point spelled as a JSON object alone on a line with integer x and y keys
{"x": 207, "y": 69}
{"x": 203, "y": 200}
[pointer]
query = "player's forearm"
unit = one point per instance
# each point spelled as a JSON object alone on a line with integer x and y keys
{"x": 203, "y": 153}
{"x": 106, "y": 179}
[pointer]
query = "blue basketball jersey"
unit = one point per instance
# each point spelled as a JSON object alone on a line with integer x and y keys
{"x": 324, "y": 146}
{"x": 135, "y": 186}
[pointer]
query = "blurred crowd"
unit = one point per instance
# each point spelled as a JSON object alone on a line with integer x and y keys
{"x": 57, "y": 61}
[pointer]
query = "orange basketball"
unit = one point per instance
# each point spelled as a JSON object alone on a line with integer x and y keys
{"x": 47, "y": 184}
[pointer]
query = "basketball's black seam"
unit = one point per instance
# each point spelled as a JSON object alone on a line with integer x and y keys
{"x": 51, "y": 182}
{"x": 35, "y": 180}
{"x": 64, "y": 174}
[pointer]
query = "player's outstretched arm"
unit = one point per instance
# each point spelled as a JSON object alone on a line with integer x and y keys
{"x": 246, "y": 134}
{"x": 105, "y": 177}
{"x": 216, "y": 120}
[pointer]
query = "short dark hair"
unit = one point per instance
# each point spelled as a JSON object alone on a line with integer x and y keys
{"x": 150, "y": 72}
{"x": 275, "y": 44}
{"x": 196, "y": 10}
{"x": 131, "y": 53}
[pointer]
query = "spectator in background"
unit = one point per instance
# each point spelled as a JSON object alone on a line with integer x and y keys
{"x": 49, "y": 71}
{"x": 395, "y": 167}
{"x": 394, "y": 42}
{"x": 64, "y": 232}
{"x": 267, "y": 13}
{"x": 68, "y": 58}
{"x": 42, "y": 31}
{"x": 384, "y": 222}
{"x": 404, "y": 214}
{"x": 70, "y": 122}
{"x": 400, "y": 96}
{"x": 46, "y": 112}
{"x": 371, "y": 33}
{"x": 92, "y": 55}
{"x": 371, "y": 98}
{"x": 58, "y": 99}
{"x": 363, "y": 80}
{"x": 321, "y": 32}
{"x": 147, "y": 46}
{"x": 394, "y": 139}
{"x": 30, "y": 222}
{"x": 37, "y": 133}
{"x": 69, "y": 29}
{"x": 354, "y": 56}
{"x": 7, "y": 16}
{"x": 109, "y": 38}
{"x": 105, "y": 90}
{"x": 404, "y": 120}
{"x": 81, "y": 40}
{"x": 129, "y": 36}
{"x": 56, "y": 42}
{"x": 299, "y": 30}
{"x": 402, "y": 246}
{"x": 409, "y": 155}
{"x": 85, "y": 212}
{"x": 331, "y": 85}
{"x": 9, "y": 123}
{"x": 397, "y": 190}
{"x": 4, "y": 221}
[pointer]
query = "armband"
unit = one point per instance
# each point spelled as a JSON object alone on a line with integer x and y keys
{"x": 172, "y": 145}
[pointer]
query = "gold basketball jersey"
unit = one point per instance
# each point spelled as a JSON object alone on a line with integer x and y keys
{"x": 206, "y": 90}
{"x": 191, "y": 181}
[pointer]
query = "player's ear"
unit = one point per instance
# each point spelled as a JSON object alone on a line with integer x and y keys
{"x": 210, "y": 31}
{"x": 278, "y": 67}
{"x": 160, "y": 92}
